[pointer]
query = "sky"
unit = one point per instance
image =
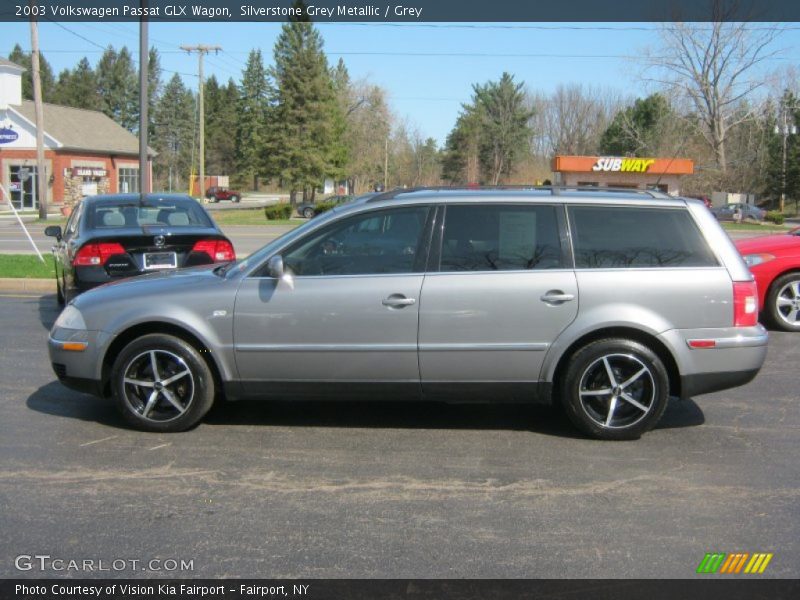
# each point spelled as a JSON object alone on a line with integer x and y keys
{"x": 427, "y": 68}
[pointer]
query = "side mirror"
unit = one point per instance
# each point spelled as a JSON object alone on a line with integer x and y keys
{"x": 53, "y": 231}
{"x": 275, "y": 267}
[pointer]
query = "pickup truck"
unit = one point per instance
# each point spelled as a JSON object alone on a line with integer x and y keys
{"x": 215, "y": 194}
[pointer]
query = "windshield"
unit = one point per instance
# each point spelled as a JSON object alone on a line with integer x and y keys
{"x": 256, "y": 258}
{"x": 172, "y": 212}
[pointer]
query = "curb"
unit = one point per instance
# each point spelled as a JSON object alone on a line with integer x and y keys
{"x": 13, "y": 284}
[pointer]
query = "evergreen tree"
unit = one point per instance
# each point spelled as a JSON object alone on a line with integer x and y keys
{"x": 636, "y": 130}
{"x": 504, "y": 128}
{"x": 305, "y": 145}
{"x": 118, "y": 88}
{"x": 78, "y": 87}
{"x": 221, "y": 120}
{"x": 253, "y": 112}
{"x": 174, "y": 134}
{"x": 23, "y": 59}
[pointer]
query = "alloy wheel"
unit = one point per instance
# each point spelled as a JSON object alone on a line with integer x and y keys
{"x": 617, "y": 390}
{"x": 787, "y": 303}
{"x": 158, "y": 385}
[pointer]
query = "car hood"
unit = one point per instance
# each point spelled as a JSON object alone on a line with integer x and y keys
{"x": 768, "y": 243}
{"x": 160, "y": 283}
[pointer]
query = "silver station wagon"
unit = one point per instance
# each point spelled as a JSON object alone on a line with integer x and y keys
{"x": 607, "y": 302}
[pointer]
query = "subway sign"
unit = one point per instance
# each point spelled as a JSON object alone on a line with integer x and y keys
{"x": 623, "y": 165}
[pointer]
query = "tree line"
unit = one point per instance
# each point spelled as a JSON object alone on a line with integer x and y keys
{"x": 299, "y": 120}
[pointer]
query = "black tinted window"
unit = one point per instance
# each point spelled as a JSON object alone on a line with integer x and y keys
{"x": 617, "y": 237}
{"x": 386, "y": 241}
{"x": 500, "y": 237}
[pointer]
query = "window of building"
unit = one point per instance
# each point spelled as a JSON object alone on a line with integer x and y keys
{"x": 503, "y": 237}
{"x": 129, "y": 180}
{"x": 607, "y": 237}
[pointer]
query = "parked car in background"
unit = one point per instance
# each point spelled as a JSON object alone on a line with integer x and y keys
{"x": 116, "y": 236}
{"x": 748, "y": 211}
{"x": 606, "y": 302}
{"x": 215, "y": 194}
{"x": 774, "y": 260}
{"x": 309, "y": 209}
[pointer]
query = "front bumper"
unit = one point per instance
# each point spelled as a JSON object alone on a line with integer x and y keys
{"x": 735, "y": 357}
{"x": 80, "y": 370}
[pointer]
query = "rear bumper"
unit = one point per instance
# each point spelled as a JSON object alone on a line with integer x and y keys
{"x": 705, "y": 383}
{"x": 734, "y": 359}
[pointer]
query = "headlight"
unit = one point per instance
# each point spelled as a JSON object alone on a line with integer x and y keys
{"x": 756, "y": 259}
{"x": 70, "y": 318}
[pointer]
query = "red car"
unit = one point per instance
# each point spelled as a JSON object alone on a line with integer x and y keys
{"x": 774, "y": 261}
{"x": 215, "y": 194}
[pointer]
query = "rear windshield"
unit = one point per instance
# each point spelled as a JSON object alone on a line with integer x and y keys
{"x": 154, "y": 213}
{"x": 611, "y": 237}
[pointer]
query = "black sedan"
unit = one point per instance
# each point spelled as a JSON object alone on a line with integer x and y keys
{"x": 309, "y": 209}
{"x": 122, "y": 235}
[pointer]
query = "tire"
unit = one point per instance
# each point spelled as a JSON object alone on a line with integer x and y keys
{"x": 59, "y": 293}
{"x": 587, "y": 376}
{"x": 234, "y": 199}
{"x": 308, "y": 212}
{"x": 783, "y": 302}
{"x": 190, "y": 396}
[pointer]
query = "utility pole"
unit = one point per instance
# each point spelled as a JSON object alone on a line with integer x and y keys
{"x": 41, "y": 174}
{"x": 202, "y": 50}
{"x": 386, "y": 163}
{"x": 144, "y": 102}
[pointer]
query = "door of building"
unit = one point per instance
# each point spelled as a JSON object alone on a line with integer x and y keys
{"x": 23, "y": 188}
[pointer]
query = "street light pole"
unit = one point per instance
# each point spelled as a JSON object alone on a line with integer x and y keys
{"x": 786, "y": 130}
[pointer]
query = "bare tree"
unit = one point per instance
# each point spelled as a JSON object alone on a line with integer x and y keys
{"x": 713, "y": 65}
{"x": 571, "y": 119}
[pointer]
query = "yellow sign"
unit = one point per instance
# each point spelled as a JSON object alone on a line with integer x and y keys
{"x": 623, "y": 165}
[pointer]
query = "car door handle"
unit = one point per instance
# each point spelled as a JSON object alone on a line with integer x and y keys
{"x": 557, "y": 297}
{"x": 398, "y": 301}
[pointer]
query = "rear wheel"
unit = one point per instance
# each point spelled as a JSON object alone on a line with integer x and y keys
{"x": 615, "y": 389}
{"x": 783, "y": 302}
{"x": 161, "y": 383}
{"x": 308, "y": 212}
{"x": 234, "y": 198}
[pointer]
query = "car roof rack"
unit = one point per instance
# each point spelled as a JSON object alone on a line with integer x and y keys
{"x": 554, "y": 190}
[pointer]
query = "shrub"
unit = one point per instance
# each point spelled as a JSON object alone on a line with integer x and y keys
{"x": 774, "y": 216}
{"x": 278, "y": 211}
{"x": 322, "y": 207}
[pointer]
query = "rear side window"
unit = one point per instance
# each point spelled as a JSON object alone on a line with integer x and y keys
{"x": 503, "y": 237}
{"x": 609, "y": 237}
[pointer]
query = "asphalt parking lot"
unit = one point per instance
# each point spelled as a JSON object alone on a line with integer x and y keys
{"x": 345, "y": 489}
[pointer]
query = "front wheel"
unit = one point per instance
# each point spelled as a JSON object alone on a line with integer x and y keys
{"x": 234, "y": 199}
{"x": 783, "y": 302}
{"x": 615, "y": 389}
{"x": 308, "y": 212}
{"x": 162, "y": 383}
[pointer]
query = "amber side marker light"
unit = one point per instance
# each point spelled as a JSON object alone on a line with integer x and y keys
{"x": 74, "y": 346}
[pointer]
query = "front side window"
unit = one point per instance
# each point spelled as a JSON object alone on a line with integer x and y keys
{"x": 503, "y": 237}
{"x": 610, "y": 237}
{"x": 385, "y": 241}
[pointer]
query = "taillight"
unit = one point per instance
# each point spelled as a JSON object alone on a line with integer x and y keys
{"x": 218, "y": 250}
{"x": 92, "y": 255}
{"x": 745, "y": 304}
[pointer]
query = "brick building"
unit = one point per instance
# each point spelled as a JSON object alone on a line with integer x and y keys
{"x": 86, "y": 152}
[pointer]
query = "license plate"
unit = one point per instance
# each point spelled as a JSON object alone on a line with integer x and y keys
{"x": 160, "y": 260}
